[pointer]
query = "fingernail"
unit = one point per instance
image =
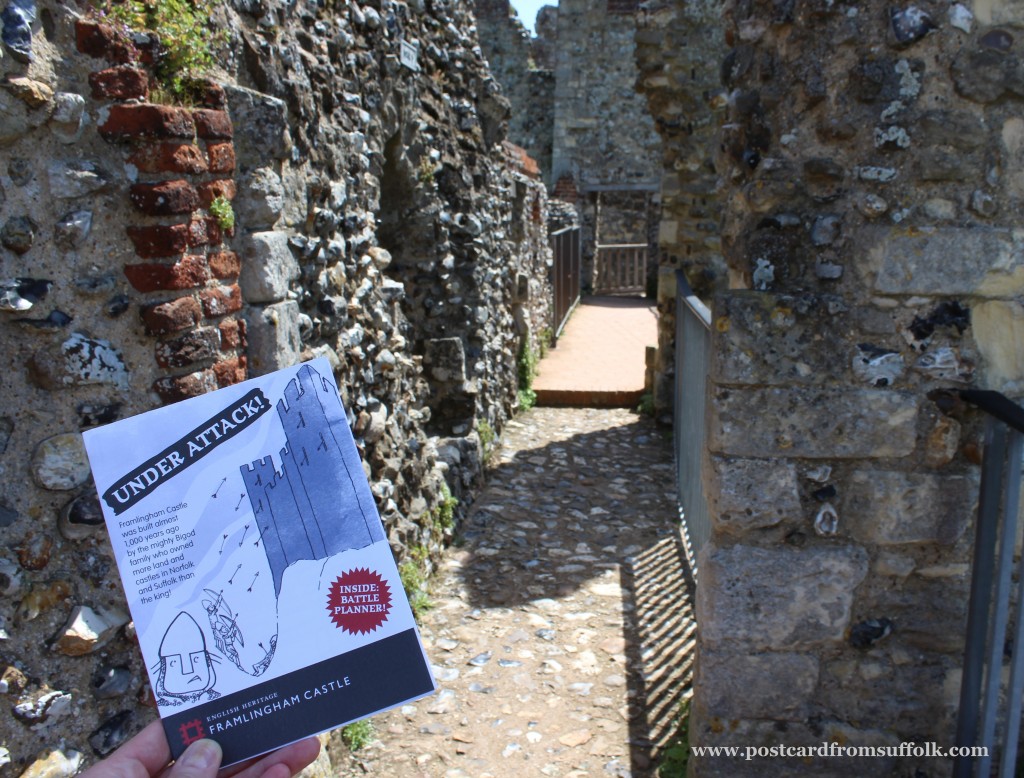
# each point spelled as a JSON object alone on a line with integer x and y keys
{"x": 201, "y": 755}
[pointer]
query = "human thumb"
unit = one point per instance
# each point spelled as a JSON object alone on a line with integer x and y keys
{"x": 200, "y": 760}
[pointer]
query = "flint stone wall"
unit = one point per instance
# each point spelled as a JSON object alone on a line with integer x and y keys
{"x": 377, "y": 214}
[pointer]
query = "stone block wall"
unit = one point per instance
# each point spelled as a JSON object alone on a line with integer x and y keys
{"x": 602, "y": 131}
{"x": 865, "y": 157}
{"x": 678, "y": 50}
{"x": 526, "y": 79}
{"x": 379, "y": 223}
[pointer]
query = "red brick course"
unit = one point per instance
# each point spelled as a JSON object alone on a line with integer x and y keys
{"x": 211, "y": 190}
{"x": 214, "y": 234}
{"x": 225, "y": 264}
{"x": 200, "y": 232}
{"x": 231, "y": 371}
{"x": 169, "y": 158}
{"x": 171, "y": 316}
{"x": 120, "y": 83}
{"x": 213, "y": 125}
{"x": 211, "y": 95}
{"x": 103, "y": 42}
{"x": 221, "y": 157}
{"x": 232, "y": 333}
{"x": 175, "y": 144}
{"x": 139, "y": 121}
{"x": 221, "y": 300}
{"x": 190, "y": 273}
{"x": 160, "y": 240}
{"x": 165, "y": 198}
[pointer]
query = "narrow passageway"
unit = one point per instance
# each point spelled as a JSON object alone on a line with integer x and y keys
{"x": 562, "y": 631}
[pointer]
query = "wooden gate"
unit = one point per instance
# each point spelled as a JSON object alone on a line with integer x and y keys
{"x": 621, "y": 268}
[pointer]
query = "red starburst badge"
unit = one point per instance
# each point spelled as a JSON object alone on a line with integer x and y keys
{"x": 359, "y": 601}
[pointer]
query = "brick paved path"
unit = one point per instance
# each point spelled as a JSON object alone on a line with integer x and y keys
{"x": 562, "y": 630}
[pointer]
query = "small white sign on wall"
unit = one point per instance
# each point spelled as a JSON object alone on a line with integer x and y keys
{"x": 409, "y": 55}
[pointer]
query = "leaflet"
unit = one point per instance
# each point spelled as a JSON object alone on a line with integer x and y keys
{"x": 266, "y": 600}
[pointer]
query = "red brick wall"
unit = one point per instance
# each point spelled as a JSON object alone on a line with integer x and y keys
{"x": 185, "y": 277}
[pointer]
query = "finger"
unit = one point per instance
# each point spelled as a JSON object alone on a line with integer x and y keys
{"x": 200, "y": 760}
{"x": 283, "y": 763}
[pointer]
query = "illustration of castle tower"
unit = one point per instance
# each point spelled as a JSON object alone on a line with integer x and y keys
{"x": 318, "y": 504}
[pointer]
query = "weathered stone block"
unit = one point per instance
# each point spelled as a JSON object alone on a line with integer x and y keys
{"x": 779, "y": 599}
{"x": 815, "y": 423}
{"x": 60, "y": 463}
{"x": 893, "y": 508}
{"x": 746, "y": 494}
{"x": 445, "y": 358}
{"x": 268, "y": 267}
{"x": 273, "y": 336}
{"x": 776, "y": 686}
{"x": 943, "y": 261}
{"x": 260, "y": 199}
{"x": 34, "y": 94}
{"x": 765, "y": 338}
{"x": 998, "y": 328}
{"x": 938, "y": 627}
{"x": 261, "y": 124}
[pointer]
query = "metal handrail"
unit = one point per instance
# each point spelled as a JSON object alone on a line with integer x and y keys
{"x": 989, "y": 604}
{"x": 692, "y": 357}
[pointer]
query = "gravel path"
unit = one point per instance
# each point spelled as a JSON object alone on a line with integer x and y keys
{"x": 562, "y": 631}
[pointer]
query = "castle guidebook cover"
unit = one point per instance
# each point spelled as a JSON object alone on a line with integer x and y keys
{"x": 266, "y": 600}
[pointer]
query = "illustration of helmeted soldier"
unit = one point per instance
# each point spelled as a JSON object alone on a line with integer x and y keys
{"x": 186, "y": 667}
